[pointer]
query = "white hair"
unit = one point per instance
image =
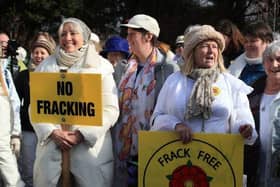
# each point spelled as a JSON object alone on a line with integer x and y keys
{"x": 272, "y": 49}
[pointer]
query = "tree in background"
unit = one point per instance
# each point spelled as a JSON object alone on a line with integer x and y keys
{"x": 26, "y": 17}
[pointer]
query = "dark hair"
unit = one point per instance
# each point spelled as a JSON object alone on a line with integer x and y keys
{"x": 154, "y": 40}
{"x": 229, "y": 29}
{"x": 259, "y": 30}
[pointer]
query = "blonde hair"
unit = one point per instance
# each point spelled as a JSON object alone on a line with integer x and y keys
{"x": 189, "y": 62}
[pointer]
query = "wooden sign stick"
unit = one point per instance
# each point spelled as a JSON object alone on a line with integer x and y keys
{"x": 66, "y": 176}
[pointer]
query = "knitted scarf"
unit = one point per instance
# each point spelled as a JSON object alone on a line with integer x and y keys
{"x": 201, "y": 96}
{"x": 68, "y": 59}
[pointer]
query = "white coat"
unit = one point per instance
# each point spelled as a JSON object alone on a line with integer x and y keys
{"x": 91, "y": 162}
{"x": 238, "y": 65}
{"x": 230, "y": 108}
{"x": 9, "y": 125}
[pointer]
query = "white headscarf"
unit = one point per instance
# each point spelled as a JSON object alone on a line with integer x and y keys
{"x": 68, "y": 59}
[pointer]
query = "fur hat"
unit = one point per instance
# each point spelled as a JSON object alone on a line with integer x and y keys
{"x": 200, "y": 34}
{"x": 143, "y": 21}
{"x": 44, "y": 44}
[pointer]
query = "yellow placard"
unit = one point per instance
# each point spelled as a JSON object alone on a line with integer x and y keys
{"x": 66, "y": 98}
{"x": 209, "y": 160}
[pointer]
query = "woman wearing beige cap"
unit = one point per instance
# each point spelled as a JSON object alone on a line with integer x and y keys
{"x": 40, "y": 50}
{"x": 139, "y": 87}
{"x": 207, "y": 99}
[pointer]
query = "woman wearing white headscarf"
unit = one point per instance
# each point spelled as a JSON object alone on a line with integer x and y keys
{"x": 91, "y": 157}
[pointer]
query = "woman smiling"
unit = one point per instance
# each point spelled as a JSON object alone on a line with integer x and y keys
{"x": 90, "y": 147}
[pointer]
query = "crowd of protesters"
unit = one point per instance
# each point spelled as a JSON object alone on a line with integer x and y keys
{"x": 139, "y": 73}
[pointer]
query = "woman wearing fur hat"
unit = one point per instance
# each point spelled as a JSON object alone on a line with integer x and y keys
{"x": 90, "y": 147}
{"x": 199, "y": 103}
{"x": 40, "y": 50}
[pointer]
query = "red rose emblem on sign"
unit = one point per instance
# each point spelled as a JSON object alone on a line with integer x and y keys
{"x": 189, "y": 176}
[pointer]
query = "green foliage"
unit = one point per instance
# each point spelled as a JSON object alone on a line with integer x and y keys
{"x": 26, "y": 17}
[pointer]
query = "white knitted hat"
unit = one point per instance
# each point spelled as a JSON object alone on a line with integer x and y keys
{"x": 200, "y": 34}
{"x": 145, "y": 22}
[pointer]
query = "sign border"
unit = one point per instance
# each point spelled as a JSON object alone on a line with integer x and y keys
{"x": 194, "y": 139}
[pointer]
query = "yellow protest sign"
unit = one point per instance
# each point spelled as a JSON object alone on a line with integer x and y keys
{"x": 209, "y": 160}
{"x": 66, "y": 98}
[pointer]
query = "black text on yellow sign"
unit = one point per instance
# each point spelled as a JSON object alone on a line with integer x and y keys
{"x": 66, "y": 98}
{"x": 208, "y": 160}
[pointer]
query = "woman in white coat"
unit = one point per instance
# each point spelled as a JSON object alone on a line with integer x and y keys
{"x": 269, "y": 167}
{"x": 91, "y": 157}
{"x": 205, "y": 97}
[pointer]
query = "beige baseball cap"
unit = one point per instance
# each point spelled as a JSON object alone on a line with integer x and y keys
{"x": 179, "y": 39}
{"x": 143, "y": 21}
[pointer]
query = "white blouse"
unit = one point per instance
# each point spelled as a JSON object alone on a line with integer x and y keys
{"x": 230, "y": 108}
{"x": 265, "y": 136}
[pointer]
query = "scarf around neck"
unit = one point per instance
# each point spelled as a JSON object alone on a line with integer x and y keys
{"x": 202, "y": 97}
{"x": 137, "y": 100}
{"x": 68, "y": 59}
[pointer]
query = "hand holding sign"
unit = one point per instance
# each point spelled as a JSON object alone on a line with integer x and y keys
{"x": 184, "y": 132}
{"x": 65, "y": 140}
{"x": 246, "y": 131}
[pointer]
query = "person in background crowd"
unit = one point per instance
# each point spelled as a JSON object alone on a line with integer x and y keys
{"x": 249, "y": 68}
{"x": 276, "y": 35}
{"x": 10, "y": 130}
{"x": 165, "y": 49}
{"x": 147, "y": 70}
{"x": 234, "y": 40}
{"x": 9, "y": 50}
{"x": 116, "y": 50}
{"x": 90, "y": 147}
{"x": 40, "y": 50}
{"x": 40, "y": 36}
{"x": 96, "y": 41}
{"x": 195, "y": 107}
{"x": 269, "y": 167}
{"x": 179, "y": 47}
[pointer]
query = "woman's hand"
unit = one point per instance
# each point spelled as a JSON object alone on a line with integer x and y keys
{"x": 246, "y": 131}
{"x": 184, "y": 131}
{"x": 60, "y": 138}
{"x": 74, "y": 137}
